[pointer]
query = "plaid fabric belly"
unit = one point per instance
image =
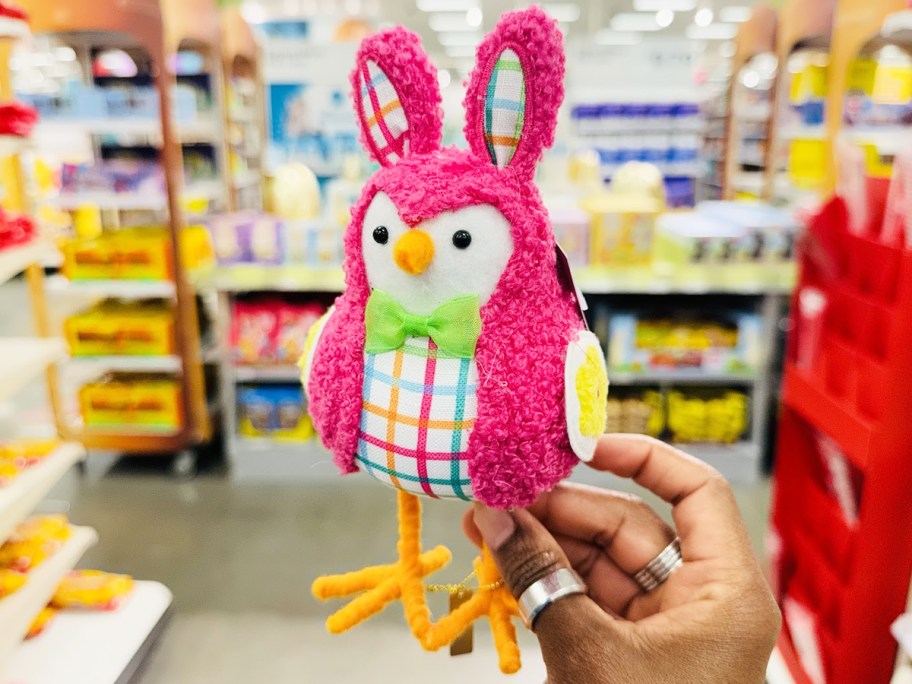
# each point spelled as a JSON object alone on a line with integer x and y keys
{"x": 418, "y": 409}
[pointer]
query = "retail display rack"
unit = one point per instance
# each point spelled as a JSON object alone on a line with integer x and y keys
{"x": 261, "y": 457}
{"x": 173, "y": 110}
{"x": 21, "y": 361}
{"x": 753, "y": 89}
{"x": 800, "y": 149}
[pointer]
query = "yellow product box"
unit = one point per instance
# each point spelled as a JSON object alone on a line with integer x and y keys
{"x": 115, "y": 327}
{"x": 119, "y": 400}
{"x": 134, "y": 254}
{"x": 92, "y": 590}
{"x": 707, "y": 415}
{"x": 622, "y": 229}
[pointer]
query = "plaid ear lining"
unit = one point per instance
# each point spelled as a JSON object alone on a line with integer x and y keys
{"x": 504, "y": 109}
{"x": 383, "y": 114}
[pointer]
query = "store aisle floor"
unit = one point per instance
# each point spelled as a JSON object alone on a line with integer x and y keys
{"x": 240, "y": 558}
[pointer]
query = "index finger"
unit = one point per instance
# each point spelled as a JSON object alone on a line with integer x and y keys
{"x": 705, "y": 513}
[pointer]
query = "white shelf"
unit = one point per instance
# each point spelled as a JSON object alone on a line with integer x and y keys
{"x": 12, "y": 144}
{"x": 246, "y": 179}
{"x": 595, "y": 280}
{"x": 131, "y": 201}
{"x": 754, "y": 114}
{"x": 254, "y": 278}
{"x": 887, "y": 139}
{"x": 123, "y": 289}
{"x": 804, "y": 132}
{"x": 93, "y": 647}
{"x": 140, "y": 364}
{"x": 24, "y": 358}
{"x": 680, "y": 377}
{"x": 205, "y": 128}
{"x": 288, "y": 373}
{"x": 15, "y": 260}
{"x": 748, "y": 181}
{"x": 28, "y": 489}
{"x": 18, "y": 610}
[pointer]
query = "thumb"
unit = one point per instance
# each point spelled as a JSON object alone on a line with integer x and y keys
{"x": 525, "y": 552}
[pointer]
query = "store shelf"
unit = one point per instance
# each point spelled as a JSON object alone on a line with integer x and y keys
{"x": 123, "y": 289}
{"x": 205, "y": 128}
{"x": 887, "y": 139}
{"x": 246, "y": 179}
{"x": 94, "y": 647}
{"x": 252, "y": 278}
{"x": 267, "y": 373}
{"x": 681, "y": 377}
{"x": 19, "y": 609}
{"x": 12, "y": 144}
{"x": 754, "y": 114}
{"x": 139, "y": 364}
{"x": 596, "y": 280}
{"x": 749, "y": 181}
{"x": 267, "y": 460}
{"x": 15, "y": 260}
{"x": 130, "y": 201}
{"x": 132, "y": 441}
{"x": 804, "y": 132}
{"x": 22, "y": 359}
{"x": 19, "y": 497}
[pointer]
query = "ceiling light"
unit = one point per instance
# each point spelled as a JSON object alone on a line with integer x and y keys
{"x": 562, "y": 11}
{"x": 449, "y": 21}
{"x": 253, "y": 13}
{"x": 458, "y": 38}
{"x": 609, "y": 37}
{"x": 656, "y": 5}
{"x": 714, "y": 32}
{"x": 446, "y": 5}
{"x": 703, "y": 17}
{"x": 443, "y": 78}
{"x": 664, "y": 17}
{"x": 633, "y": 21}
{"x": 734, "y": 15}
{"x": 474, "y": 17}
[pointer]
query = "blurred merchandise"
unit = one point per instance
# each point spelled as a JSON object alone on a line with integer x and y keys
{"x": 572, "y": 231}
{"x": 11, "y": 581}
{"x": 707, "y": 415}
{"x": 636, "y": 411}
{"x": 344, "y": 191}
{"x": 41, "y": 621}
{"x": 116, "y": 175}
{"x": 16, "y": 229}
{"x": 271, "y": 331}
{"x": 17, "y": 119}
{"x": 639, "y": 343}
{"x": 122, "y": 327}
{"x": 295, "y": 193}
{"x": 19, "y": 454}
{"x": 75, "y": 101}
{"x": 134, "y": 254}
{"x": 92, "y": 590}
{"x": 275, "y": 411}
{"x": 151, "y": 403}
{"x": 33, "y": 541}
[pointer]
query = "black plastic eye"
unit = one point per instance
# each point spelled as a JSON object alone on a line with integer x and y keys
{"x": 381, "y": 235}
{"x": 462, "y": 239}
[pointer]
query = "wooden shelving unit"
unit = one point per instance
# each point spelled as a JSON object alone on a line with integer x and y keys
{"x": 157, "y": 31}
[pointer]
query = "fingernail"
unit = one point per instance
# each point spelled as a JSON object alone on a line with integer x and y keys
{"x": 496, "y": 526}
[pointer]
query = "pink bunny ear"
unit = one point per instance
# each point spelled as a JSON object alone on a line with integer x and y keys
{"x": 515, "y": 90}
{"x": 397, "y": 99}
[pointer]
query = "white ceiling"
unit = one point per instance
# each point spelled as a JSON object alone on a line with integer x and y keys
{"x": 588, "y": 19}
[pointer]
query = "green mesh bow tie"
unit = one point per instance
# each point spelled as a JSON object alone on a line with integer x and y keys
{"x": 454, "y": 325}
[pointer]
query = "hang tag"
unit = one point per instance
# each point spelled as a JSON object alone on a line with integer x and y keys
{"x": 464, "y": 643}
{"x": 566, "y": 276}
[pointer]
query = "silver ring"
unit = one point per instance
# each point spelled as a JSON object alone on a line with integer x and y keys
{"x": 660, "y": 568}
{"x": 541, "y": 594}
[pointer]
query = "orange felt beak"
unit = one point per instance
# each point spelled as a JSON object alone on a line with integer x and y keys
{"x": 414, "y": 251}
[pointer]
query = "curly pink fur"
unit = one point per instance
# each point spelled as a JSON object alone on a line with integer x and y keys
{"x": 519, "y": 445}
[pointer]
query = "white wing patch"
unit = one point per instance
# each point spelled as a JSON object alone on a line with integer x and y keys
{"x": 586, "y": 393}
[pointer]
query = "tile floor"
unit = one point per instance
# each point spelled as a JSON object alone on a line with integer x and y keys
{"x": 240, "y": 558}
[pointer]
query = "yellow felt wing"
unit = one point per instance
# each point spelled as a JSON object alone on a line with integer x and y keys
{"x": 586, "y": 393}
{"x": 305, "y": 363}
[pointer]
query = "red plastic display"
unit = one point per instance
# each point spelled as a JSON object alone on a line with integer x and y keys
{"x": 842, "y": 509}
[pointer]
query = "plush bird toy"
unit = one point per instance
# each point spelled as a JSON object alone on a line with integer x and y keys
{"x": 457, "y": 363}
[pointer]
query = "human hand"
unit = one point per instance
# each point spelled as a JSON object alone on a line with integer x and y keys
{"x": 713, "y": 621}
